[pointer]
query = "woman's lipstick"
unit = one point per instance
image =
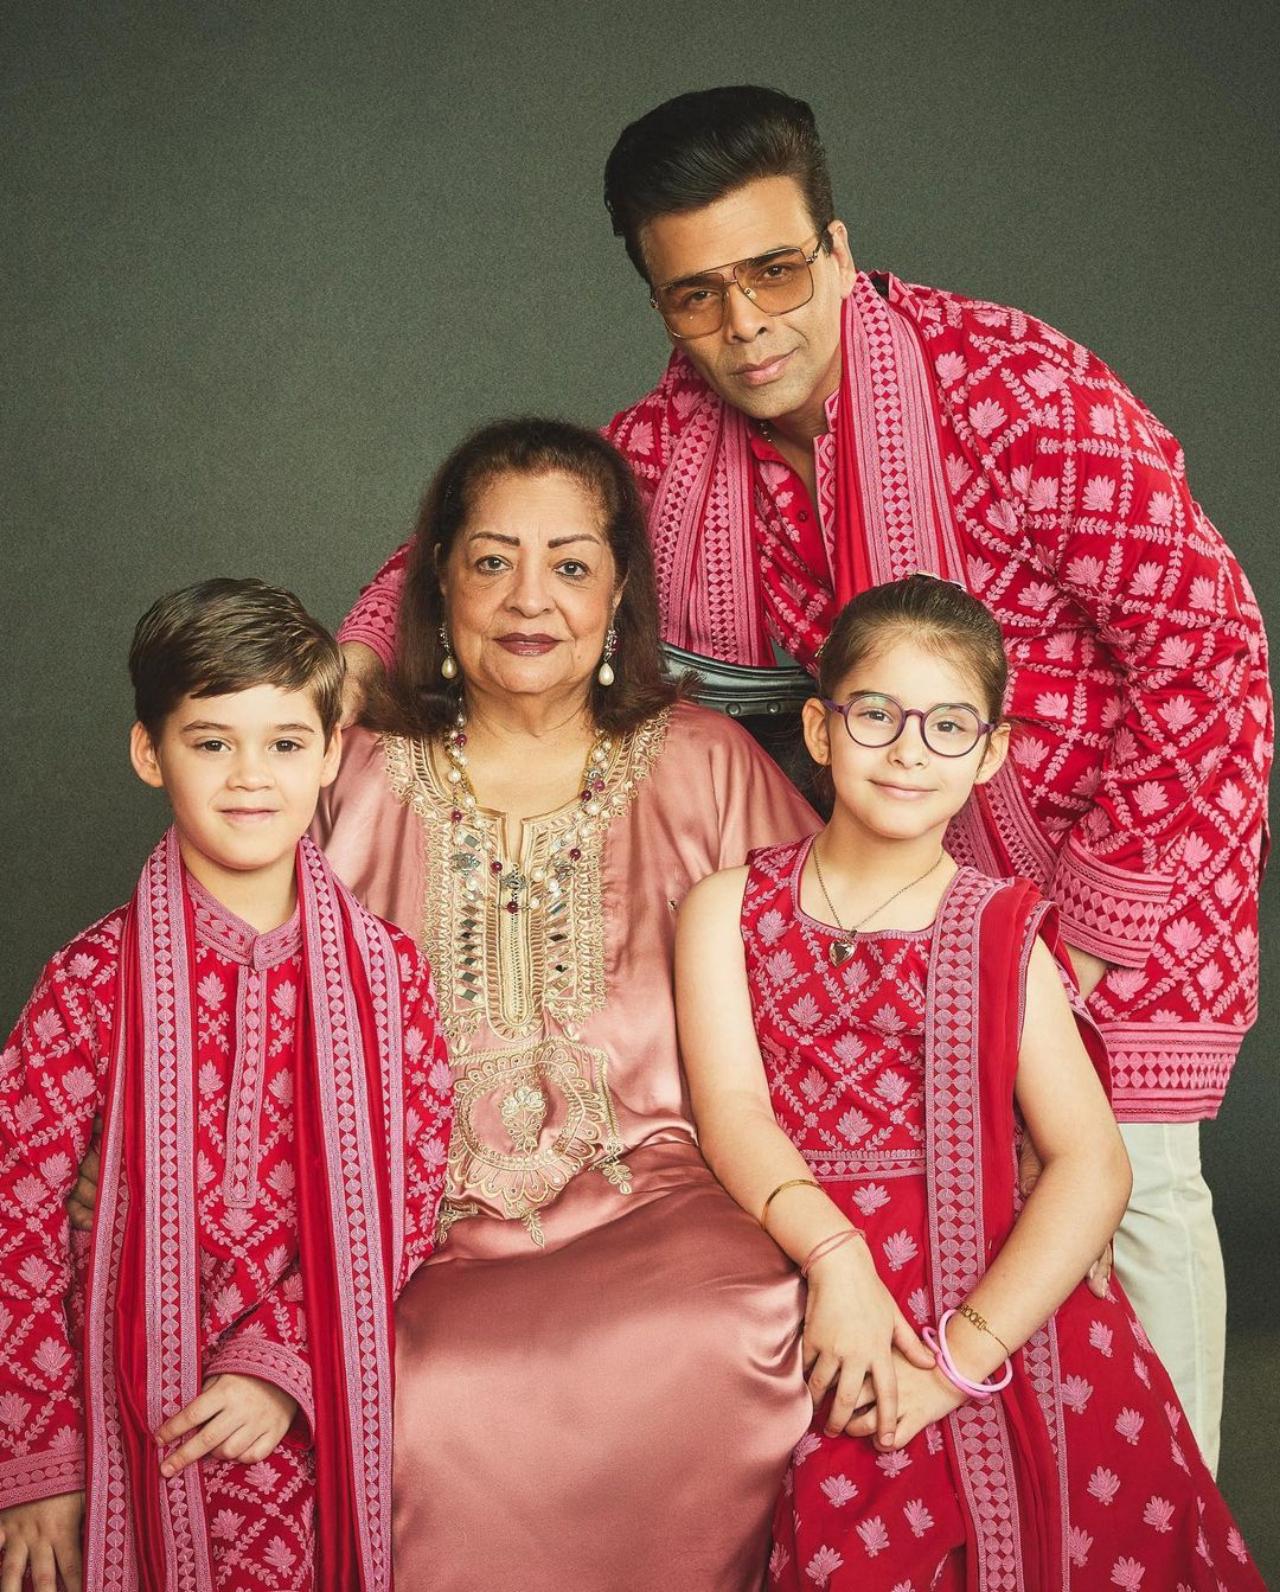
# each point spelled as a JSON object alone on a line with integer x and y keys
{"x": 527, "y": 646}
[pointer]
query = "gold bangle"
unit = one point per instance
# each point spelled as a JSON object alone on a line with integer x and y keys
{"x": 970, "y": 1314}
{"x": 791, "y": 1182}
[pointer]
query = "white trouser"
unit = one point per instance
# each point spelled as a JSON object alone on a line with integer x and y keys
{"x": 1170, "y": 1261}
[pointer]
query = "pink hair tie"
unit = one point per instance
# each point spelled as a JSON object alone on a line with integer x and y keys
{"x": 937, "y": 1341}
{"x": 824, "y": 1247}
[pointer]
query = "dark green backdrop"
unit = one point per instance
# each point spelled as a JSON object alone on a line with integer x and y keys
{"x": 267, "y": 262}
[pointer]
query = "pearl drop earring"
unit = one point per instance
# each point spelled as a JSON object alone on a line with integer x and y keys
{"x": 448, "y": 664}
{"x": 605, "y": 673}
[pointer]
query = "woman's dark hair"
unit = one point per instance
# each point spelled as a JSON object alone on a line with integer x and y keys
{"x": 417, "y": 700}
{"x": 226, "y": 635}
{"x": 935, "y": 614}
{"x": 698, "y": 147}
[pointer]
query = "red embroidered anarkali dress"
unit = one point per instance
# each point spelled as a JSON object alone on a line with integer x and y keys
{"x": 893, "y": 1075}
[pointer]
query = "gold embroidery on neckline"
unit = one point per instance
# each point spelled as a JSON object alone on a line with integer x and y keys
{"x": 518, "y": 972}
{"x": 523, "y": 975}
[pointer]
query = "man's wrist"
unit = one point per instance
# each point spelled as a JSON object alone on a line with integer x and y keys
{"x": 1090, "y": 970}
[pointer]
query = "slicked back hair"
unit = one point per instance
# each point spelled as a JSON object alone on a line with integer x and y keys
{"x": 694, "y": 149}
{"x": 220, "y": 636}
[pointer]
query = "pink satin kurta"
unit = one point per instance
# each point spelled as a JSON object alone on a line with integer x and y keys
{"x": 599, "y": 1380}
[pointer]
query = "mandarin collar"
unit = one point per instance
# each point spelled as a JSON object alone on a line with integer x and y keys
{"x": 221, "y": 930}
{"x": 764, "y": 449}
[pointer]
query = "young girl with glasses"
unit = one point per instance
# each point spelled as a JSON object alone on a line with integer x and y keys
{"x": 869, "y": 1029}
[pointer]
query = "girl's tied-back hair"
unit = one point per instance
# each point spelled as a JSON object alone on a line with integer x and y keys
{"x": 933, "y": 613}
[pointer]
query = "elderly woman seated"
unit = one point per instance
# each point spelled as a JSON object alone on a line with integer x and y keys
{"x": 598, "y": 1372}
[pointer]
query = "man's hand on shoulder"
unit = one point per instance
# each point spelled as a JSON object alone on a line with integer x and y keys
{"x": 42, "y": 1539}
{"x": 363, "y": 667}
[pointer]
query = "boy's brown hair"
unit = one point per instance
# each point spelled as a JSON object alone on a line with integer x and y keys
{"x": 220, "y": 636}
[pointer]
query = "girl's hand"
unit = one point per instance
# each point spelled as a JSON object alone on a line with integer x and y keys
{"x": 923, "y": 1398}
{"x": 852, "y": 1326}
{"x": 42, "y": 1539}
{"x": 234, "y": 1417}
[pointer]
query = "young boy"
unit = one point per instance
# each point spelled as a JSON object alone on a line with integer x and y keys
{"x": 275, "y": 1099}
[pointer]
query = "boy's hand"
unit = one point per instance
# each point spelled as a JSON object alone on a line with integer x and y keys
{"x": 84, "y": 1196}
{"x": 233, "y": 1416}
{"x": 42, "y": 1538}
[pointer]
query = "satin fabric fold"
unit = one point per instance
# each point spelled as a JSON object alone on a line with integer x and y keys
{"x": 604, "y": 1402}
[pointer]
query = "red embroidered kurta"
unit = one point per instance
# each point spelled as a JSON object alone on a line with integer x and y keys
{"x": 989, "y": 448}
{"x": 1084, "y": 1475}
{"x": 252, "y": 1312}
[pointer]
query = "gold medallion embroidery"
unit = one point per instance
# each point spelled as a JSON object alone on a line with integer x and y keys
{"x": 526, "y": 1121}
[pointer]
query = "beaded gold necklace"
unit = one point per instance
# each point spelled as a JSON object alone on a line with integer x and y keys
{"x": 473, "y": 842}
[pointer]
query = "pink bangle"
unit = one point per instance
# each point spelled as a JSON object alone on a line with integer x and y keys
{"x": 937, "y": 1341}
{"x": 824, "y": 1247}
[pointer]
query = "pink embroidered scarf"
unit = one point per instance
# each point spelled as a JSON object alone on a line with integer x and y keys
{"x": 711, "y": 523}
{"x": 142, "y": 1351}
{"x": 1009, "y": 1453}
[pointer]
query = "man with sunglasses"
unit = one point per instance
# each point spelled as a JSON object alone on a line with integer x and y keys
{"x": 819, "y": 429}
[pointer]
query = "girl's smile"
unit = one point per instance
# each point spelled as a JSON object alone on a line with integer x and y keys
{"x": 903, "y": 790}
